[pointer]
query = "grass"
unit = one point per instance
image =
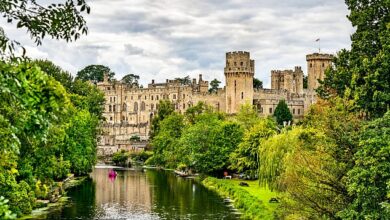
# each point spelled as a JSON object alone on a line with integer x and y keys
{"x": 252, "y": 201}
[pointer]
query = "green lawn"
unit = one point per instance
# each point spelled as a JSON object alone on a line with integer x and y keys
{"x": 254, "y": 189}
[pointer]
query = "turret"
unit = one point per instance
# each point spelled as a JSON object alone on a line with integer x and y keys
{"x": 317, "y": 63}
{"x": 239, "y": 72}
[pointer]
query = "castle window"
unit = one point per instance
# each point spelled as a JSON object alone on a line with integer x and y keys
{"x": 235, "y": 85}
{"x": 124, "y": 107}
{"x": 108, "y": 88}
{"x": 114, "y": 99}
{"x": 270, "y": 110}
{"x": 299, "y": 111}
{"x": 174, "y": 96}
{"x": 293, "y": 111}
{"x": 184, "y": 96}
{"x": 110, "y": 99}
{"x": 135, "y": 107}
{"x": 110, "y": 118}
{"x": 242, "y": 63}
{"x": 142, "y": 106}
{"x": 152, "y": 107}
{"x": 235, "y": 64}
{"x": 123, "y": 118}
{"x": 139, "y": 97}
{"x": 156, "y": 97}
{"x": 113, "y": 108}
{"x": 311, "y": 65}
{"x": 184, "y": 106}
{"x": 323, "y": 64}
{"x": 242, "y": 95}
{"x": 156, "y": 106}
{"x": 145, "y": 97}
{"x": 131, "y": 97}
{"x": 152, "y": 97}
{"x": 109, "y": 108}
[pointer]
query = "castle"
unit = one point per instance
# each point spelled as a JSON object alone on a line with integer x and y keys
{"x": 128, "y": 110}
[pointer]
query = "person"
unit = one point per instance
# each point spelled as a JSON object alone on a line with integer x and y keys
{"x": 112, "y": 174}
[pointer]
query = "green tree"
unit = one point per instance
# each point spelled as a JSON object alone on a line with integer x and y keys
{"x": 119, "y": 158}
{"x": 245, "y": 157}
{"x": 214, "y": 85}
{"x": 247, "y": 116}
{"x": 64, "y": 77}
{"x": 362, "y": 73}
{"x": 257, "y": 84}
{"x": 165, "y": 143}
{"x": 282, "y": 113}
{"x": 5, "y": 213}
{"x": 131, "y": 80}
{"x": 60, "y": 21}
{"x": 369, "y": 179}
{"x": 165, "y": 108}
{"x": 94, "y": 73}
{"x": 305, "y": 82}
{"x": 184, "y": 81}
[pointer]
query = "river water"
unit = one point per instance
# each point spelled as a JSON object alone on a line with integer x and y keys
{"x": 142, "y": 194}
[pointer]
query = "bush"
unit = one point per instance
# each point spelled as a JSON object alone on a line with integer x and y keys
{"x": 119, "y": 158}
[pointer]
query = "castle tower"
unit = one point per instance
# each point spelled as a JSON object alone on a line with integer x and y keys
{"x": 316, "y": 66}
{"x": 239, "y": 72}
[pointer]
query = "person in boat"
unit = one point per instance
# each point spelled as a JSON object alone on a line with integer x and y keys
{"x": 112, "y": 174}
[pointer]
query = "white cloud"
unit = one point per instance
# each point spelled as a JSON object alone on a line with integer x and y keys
{"x": 174, "y": 38}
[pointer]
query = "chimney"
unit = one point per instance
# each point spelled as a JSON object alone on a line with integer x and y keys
{"x": 200, "y": 78}
{"x": 193, "y": 81}
{"x": 152, "y": 81}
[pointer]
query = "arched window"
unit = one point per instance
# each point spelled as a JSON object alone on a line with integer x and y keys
{"x": 242, "y": 95}
{"x": 124, "y": 107}
{"x": 152, "y": 97}
{"x": 156, "y": 97}
{"x": 135, "y": 107}
{"x": 142, "y": 106}
{"x": 113, "y": 108}
{"x": 109, "y": 108}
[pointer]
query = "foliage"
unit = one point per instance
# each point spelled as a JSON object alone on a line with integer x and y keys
{"x": 257, "y": 84}
{"x": 135, "y": 138}
{"x": 5, "y": 213}
{"x": 369, "y": 179}
{"x": 165, "y": 142}
{"x": 165, "y": 108}
{"x": 305, "y": 81}
{"x": 206, "y": 145}
{"x": 214, "y": 85}
{"x": 120, "y": 157}
{"x": 94, "y": 73}
{"x": 362, "y": 73}
{"x": 192, "y": 113}
{"x": 247, "y": 116}
{"x": 63, "y": 77}
{"x": 252, "y": 207}
{"x": 245, "y": 157}
{"x": 60, "y": 21}
{"x": 184, "y": 81}
{"x": 131, "y": 80}
{"x": 282, "y": 113}
{"x": 141, "y": 156}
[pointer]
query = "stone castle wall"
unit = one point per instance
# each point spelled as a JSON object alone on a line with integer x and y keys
{"x": 128, "y": 111}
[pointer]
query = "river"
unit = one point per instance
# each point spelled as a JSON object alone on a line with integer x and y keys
{"x": 142, "y": 194}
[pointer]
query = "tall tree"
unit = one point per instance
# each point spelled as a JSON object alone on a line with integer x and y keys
{"x": 214, "y": 85}
{"x": 282, "y": 113}
{"x": 362, "y": 74}
{"x": 165, "y": 108}
{"x": 131, "y": 80}
{"x": 184, "y": 81}
{"x": 305, "y": 81}
{"x": 60, "y": 21}
{"x": 257, "y": 84}
{"x": 94, "y": 73}
{"x": 64, "y": 77}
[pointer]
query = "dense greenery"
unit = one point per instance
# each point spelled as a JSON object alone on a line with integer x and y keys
{"x": 45, "y": 134}
{"x": 257, "y": 84}
{"x": 362, "y": 74}
{"x": 131, "y": 80}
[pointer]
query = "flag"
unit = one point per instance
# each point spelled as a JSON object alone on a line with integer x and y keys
{"x": 318, "y": 40}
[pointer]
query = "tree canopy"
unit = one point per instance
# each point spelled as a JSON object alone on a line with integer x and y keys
{"x": 94, "y": 73}
{"x": 257, "y": 84}
{"x": 282, "y": 113}
{"x": 214, "y": 85}
{"x": 131, "y": 80}
{"x": 60, "y": 21}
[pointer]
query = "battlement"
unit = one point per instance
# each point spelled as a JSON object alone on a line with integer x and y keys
{"x": 237, "y": 54}
{"x": 319, "y": 56}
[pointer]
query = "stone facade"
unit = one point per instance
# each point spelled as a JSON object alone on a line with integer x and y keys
{"x": 128, "y": 111}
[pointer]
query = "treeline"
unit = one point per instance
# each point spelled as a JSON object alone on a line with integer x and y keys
{"x": 48, "y": 129}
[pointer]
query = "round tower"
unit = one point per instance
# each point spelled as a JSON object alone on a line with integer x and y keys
{"x": 316, "y": 66}
{"x": 239, "y": 72}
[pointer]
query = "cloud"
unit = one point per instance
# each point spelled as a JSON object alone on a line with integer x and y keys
{"x": 174, "y": 38}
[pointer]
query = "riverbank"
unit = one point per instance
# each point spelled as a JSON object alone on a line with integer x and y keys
{"x": 252, "y": 200}
{"x": 44, "y": 207}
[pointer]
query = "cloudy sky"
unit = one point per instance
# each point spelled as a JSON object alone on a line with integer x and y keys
{"x": 162, "y": 39}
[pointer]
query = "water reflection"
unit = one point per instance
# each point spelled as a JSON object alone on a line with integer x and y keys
{"x": 142, "y": 195}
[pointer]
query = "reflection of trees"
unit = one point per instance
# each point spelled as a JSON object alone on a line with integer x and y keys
{"x": 186, "y": 196}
